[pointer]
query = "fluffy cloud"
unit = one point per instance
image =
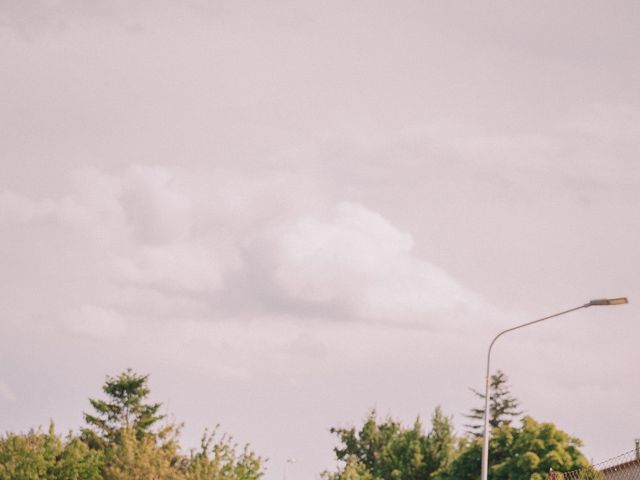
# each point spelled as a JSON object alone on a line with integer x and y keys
{"x": 355, "y": 264}
{"x": 249, "y": 246}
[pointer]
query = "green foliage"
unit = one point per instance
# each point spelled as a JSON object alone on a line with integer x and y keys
{"x": 388, "y": 451}
{"x": 121, "y": 445}
{"x": 516, "y": 453}
{"x": 123, "y": 442}
{"x": 466, "y": 463}
{"x": 353, "y": 470}
{"x": 503, "y": 407}
{"x": 30, "y": 456}
{"x": 440, "y": 442}
{"x": 78, "y": 462}
{"x": 219, "y": 460}
{"x": 125, "y": 409}
{"x": 140, "y": 458}
{"x": 37, "y": 455}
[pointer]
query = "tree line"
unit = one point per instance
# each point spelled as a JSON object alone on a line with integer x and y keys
{"x": 125, "y": 437}
{"x": 386, "y": 450}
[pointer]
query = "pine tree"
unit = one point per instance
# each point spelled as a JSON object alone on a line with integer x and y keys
{"x": 503, "y": 407}
{"x": 123, "y": 410}
{"x": 440, "y": 442}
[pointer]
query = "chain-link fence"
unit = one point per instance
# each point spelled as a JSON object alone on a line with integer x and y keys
{"x": 622, "y": 467}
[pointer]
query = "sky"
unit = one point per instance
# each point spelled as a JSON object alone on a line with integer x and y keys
{"x": 291, "y": 213}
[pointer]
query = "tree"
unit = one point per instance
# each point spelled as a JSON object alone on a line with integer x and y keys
{"x": 123, "y": 410}
{"x": 30, "y": 456}
{"x": 122, "y": 443}
{"x": 388, "y": 451}
{"x": 36, "y": 455}
{"x": 141, "y": 458}
{"x": 466, "y": 462}
{"x": 440, "y": 444}
{"x": 516, "y": 453}
{"x": 77, "y": 462}
{"x": 218, "y": 459}
{"x": 353, "y": 470}
{"x": 503, "y": 407}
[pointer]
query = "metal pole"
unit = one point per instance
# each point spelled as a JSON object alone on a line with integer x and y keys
{"x": 286, "y": 464}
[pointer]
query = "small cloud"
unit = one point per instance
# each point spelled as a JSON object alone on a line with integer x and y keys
{"x": 6, "y": 392}
{"x": 95, "y": 322}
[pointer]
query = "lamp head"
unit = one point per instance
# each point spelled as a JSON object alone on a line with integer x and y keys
{"x": 608, "y": 301}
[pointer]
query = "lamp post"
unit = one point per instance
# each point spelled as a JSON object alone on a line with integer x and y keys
{"x": 286, "y": 463}
{"x": 485, "y": 437}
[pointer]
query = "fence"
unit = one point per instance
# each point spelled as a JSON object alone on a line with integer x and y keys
{"x": 622, "y": 467}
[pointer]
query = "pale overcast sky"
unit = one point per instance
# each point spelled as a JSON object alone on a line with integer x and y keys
{"x": 291, "y": 212}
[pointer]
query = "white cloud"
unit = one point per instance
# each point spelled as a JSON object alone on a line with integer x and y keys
{"x": 356, "y": 264}
{"x": 95, "y": 322}
{"x": 153, "y": 231}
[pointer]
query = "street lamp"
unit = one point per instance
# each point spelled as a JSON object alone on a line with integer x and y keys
{"x": 485, "y": 436}
{"x": 286, "y": 463}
